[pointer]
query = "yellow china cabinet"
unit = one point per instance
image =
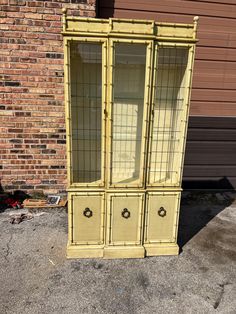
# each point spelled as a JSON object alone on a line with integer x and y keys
{"x": 127, "y": 93}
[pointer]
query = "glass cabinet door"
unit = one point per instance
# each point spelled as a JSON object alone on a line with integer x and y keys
{"x": 86, "y": 78}
{"x": 128, "y": 110}
{"x": 170, "y": 93}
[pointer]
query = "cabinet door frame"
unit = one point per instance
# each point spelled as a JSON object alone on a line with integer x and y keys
{"x": 185, "y": 114}
{"x": 177, "y": 196}
{"x": 110, "y": 217}
{"x": 71, "y": 210}
{"x": 67, "y": 82}
{"x": 146, "y": 109}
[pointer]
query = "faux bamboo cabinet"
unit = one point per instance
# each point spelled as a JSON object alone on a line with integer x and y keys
{"x": 127, "y": 91}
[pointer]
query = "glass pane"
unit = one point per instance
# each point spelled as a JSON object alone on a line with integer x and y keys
{"x": 168, "y": 115}
{"x": 86, "y": 108}
{"x": 127, "y": 112}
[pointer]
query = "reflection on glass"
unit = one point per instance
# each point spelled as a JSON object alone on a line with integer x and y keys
{"x": 86, "y": 106}
{"x": 168, "y": 111}
{"x": 127, "y": 112}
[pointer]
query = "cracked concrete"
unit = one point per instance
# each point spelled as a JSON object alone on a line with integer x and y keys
{"x": 8, "y": 248}
{"x": 217, "y": 302}
{"x": 36, "y": 278}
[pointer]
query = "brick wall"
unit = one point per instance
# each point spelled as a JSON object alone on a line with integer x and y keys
{"x": 32, "y": 128}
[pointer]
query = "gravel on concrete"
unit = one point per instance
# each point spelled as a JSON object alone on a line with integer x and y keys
{"x": 35, "y": 276}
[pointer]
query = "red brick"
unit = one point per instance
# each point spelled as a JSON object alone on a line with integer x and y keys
{"x": 9, "y": 8}
{"x": 53, "y": 4}
{"x": 35, "y": 4}
{"x": 33, "y": 88}
{"x": 46, "y": 10}
{"x": 52, "y": 17}
{"x": 34, "y": 16}
{"x": 17, "y": 2}
{"x": 26, "y": 9}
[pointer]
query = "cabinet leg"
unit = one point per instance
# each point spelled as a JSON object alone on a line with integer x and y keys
{"x": 85, "y": 251}
{"x": 124, "y": 252}
{"x": 161, "y": 249}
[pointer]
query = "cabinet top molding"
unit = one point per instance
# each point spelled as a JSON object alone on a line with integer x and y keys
{"x": 127, "y": 28}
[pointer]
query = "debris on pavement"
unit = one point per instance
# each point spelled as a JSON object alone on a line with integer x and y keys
{"x": 39, "y": 214}
{"x": 12, "y": 199}
{"x": 52, "y": 262}
{"x": 7, "y": 201}
{"x": 20, "y": 200}
{"x": 11, "y": 202}
{"x": 18, "y": 218}
{"x": 51, "y": 201}
{"x": 34, "y": 203}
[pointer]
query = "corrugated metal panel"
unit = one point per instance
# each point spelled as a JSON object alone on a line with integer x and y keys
{"x": 215, "y": 67}
{"x": 211, "y": 147}
{"x": 211, "y": 151}
{"x": 187, "y": 7}
{"x": 226, "y": 109}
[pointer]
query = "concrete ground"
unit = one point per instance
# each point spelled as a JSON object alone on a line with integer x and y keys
{"x": 35, "y": 276}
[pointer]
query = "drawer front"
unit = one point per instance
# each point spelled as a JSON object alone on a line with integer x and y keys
{"x": 125, "y": 219}
{"x": 88, "y": 218}
{"x": 161, "y": 217}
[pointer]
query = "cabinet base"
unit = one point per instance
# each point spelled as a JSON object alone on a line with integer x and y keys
{"x": 124, "y": 252}
{"x": 96, "y": 251}
{"x": 78, "y": 251}
{"x": 161, "y": 249}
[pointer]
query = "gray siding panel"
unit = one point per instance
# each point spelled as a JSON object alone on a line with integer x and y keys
{"x": 215, "y": 67}
{"x": 211, "y": 151}
{"x": 211, "y": 143}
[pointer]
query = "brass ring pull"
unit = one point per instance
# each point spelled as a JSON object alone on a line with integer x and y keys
{"x": 87, "y": 212}
{"x": 162, "y": 212}
{"x": 125, "y": 213}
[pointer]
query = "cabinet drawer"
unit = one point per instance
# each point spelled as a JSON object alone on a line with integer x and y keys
{"x": 125, "y": 217}
{"x": 87, "y": 218}
{"x": 161, "y": 217}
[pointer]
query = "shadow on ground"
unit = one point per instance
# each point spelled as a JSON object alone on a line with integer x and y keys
{"x": 198, "y": 208}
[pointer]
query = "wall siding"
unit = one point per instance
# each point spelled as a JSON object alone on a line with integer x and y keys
{"x": 211, "y": 153}
{"x": 214, "y": 78}
{"x": 210, "y": 159}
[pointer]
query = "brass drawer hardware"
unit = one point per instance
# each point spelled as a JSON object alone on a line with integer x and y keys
{"x": 87, "y": 212}
{"x": 125, "y": 213}
{"x": 162, "y": 212}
